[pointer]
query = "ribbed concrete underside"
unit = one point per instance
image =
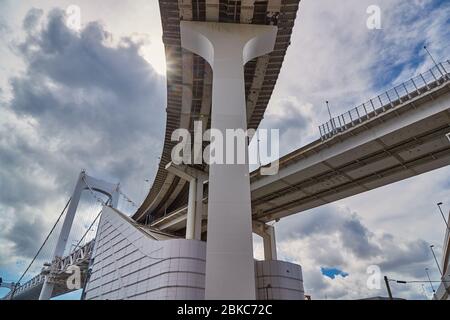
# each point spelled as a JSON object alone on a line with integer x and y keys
{"x": 189, "y": 80}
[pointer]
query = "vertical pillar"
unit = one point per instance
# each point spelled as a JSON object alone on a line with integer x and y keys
{"x": 190, "y": 218}
{"x": 270, "y": 246}
{"x": 198, "y": 208}
{"x": 84, "y": 182}
{"x": 47, "y": 288}
{"x": 267, "y": 233}
{"x": 227, "y": 47}
{"x": 196, "y": 178}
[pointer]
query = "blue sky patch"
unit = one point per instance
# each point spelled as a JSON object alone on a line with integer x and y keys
{"x": 333, "y": 272}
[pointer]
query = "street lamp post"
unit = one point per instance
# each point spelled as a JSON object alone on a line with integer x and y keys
{"x": 331, "y": 118}
{"x": 388, "y": 288}
{"x": 429, "y": 279}
{"x": 442, "y": 214}
{"x": 434, "y": 61}
{"x": 435, "y": 259}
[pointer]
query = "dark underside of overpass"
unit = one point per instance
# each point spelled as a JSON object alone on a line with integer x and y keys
{"x": 189, "y": 82}
{"x": 409, "y": 151}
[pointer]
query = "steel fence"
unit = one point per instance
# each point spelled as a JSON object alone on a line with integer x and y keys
{"x": 392, "y": 98}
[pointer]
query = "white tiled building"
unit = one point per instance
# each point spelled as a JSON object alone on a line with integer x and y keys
{"x": 135, "y": 262}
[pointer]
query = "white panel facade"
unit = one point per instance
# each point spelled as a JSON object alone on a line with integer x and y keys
{"x": 128, "y": 264}
{"x": 279, "y": 280}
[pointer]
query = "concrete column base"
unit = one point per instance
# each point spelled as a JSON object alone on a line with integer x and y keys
{"x": 227, "y": 48}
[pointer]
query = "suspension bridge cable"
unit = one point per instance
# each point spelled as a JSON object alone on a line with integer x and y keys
{"x": 91, "y": 216}
{"x": 93, "y": 194}
{"x": 98, "y": 199}
{"x": 83, "y": 227}
{"x": 42, "y": 246}
{"x": 92, "y": 224}
{"x": 86, "y": 219}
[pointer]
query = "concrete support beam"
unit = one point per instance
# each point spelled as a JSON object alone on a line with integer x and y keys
{"x": 198, "y": 209}
{"x": 270, "y": 246}
{"x": 185, "y": 8}
{"x": 247, "y": 9}
{"x": 228, "y": 47}
{"x": 267, "y": 232}
{"x": 190, "y": 219}
{"x": 196, "y": 179}
{"x": 212, "y": 10}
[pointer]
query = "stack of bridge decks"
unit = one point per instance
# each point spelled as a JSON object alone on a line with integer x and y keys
{"x": 189, "y": 81}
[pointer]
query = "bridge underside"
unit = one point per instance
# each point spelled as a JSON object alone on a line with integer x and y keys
{"x": 384, "y": 158}
{"x": 401, "y": 143}
{"x": 189, "y": 81}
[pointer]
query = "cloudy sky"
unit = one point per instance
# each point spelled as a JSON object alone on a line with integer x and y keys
{"x": 94, "y": 99}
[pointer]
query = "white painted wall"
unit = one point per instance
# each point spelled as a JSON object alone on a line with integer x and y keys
{"x": 278, "y": 280}
{"x": 128, "y": 264}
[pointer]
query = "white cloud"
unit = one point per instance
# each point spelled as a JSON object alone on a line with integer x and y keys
{"x": 74, "y": 107}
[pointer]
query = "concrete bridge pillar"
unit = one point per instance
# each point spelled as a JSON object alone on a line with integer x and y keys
{"x": 267, "y": 232}
{"x": 228, "y": 47}
{"x": 196, "y": 179}
{"x": 270, "y": 246}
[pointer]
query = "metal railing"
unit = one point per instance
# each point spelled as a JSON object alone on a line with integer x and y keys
{"x": 392, "y": 98}
{"x": 35, "y": 281}
{"x": 78, "y": 256}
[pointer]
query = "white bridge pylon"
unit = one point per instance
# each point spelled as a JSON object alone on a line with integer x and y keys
{"x": 227, "y": 47}
{"x": 84, "y": 182}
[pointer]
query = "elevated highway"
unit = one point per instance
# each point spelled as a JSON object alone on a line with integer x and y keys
{"x": 394, "y": 136}
{"x": 397, "y": 135}
{"x": 189, "y": 81}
